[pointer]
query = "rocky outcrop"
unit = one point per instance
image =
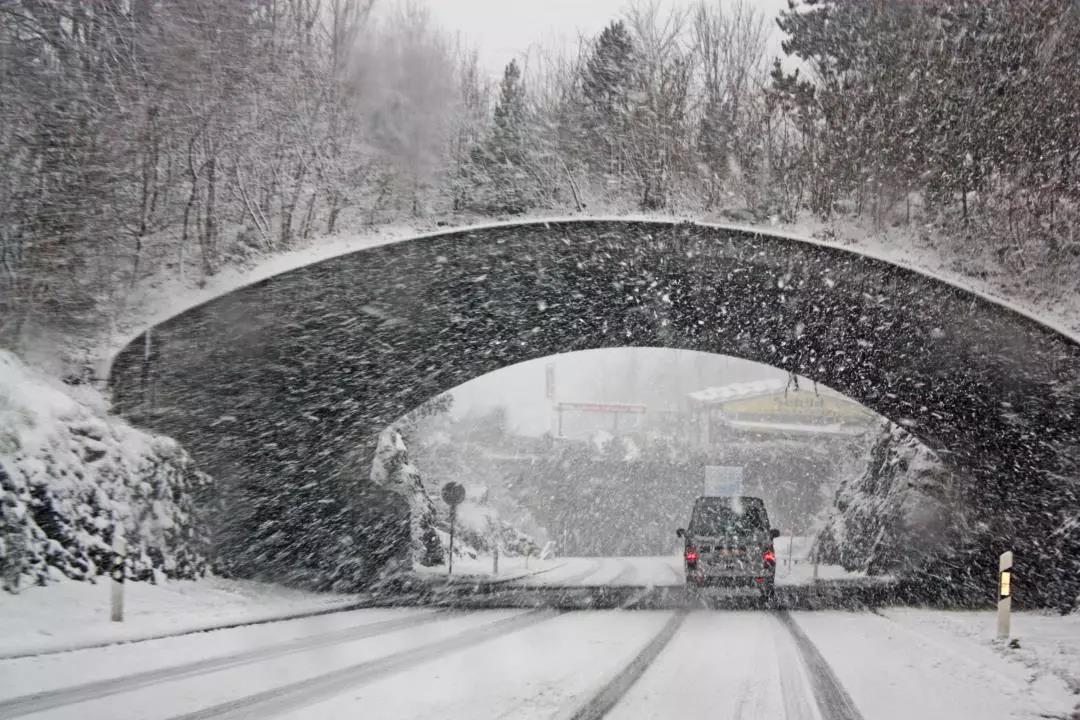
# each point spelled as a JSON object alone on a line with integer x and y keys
{"x": 899, "y": 512}
{"x": 71, "y": 476}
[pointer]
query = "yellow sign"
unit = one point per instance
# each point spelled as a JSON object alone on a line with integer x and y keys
{"x": 1006, "y": 579}
{"x": 801, "y": 403}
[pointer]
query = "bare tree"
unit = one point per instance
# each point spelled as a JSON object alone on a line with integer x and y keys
{"x": 657, "y": 143}
{"x": 730, "y": 42}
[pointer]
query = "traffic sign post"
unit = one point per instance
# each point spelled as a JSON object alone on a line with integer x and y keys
{"x": 453, "y": 494}
{"x": 1005, "y": 575}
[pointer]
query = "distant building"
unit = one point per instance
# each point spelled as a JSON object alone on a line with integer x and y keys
{"x": 773, "y": 408}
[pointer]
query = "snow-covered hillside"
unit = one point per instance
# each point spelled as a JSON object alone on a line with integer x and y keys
{"x": 70, "y": 474}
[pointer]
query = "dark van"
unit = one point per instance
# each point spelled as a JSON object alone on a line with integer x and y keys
{"x": 729, "y": 543}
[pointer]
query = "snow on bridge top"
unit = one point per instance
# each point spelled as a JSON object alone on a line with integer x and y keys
{"x": 166, "y": 300}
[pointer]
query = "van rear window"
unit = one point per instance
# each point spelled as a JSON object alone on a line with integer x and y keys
{"x": 727, "y": 516}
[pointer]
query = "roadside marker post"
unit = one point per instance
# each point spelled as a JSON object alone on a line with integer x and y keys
{"x": 1005, "y": 574}
{"x": 119, "y": 569}
{"x": 453, "y": 494}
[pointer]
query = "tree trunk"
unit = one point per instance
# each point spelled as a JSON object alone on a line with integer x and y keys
{"x": 306, "y": 232}
{"x": 290, "y": 207}
{"x": 332, "y": 215}
{"x": 209, "y": 236}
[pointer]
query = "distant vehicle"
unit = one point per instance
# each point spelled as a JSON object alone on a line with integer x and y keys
{"x": 729, "y": 543}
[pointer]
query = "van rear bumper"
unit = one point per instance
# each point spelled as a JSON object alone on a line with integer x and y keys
{"x": 730, "y": 581}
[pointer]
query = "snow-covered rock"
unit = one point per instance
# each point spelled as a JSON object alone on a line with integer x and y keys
{"x": 897, "y": 513}
{"x": 70, "y": 474}
{"x": 392, "y": 470}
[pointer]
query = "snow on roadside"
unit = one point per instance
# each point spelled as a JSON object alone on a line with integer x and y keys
{"x": 899, "y": 670}
{"x": 1047, "y": 643}
{"x": 68, "y": 614}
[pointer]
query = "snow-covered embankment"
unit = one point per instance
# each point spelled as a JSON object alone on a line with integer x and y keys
{"x": 70, "y": 473}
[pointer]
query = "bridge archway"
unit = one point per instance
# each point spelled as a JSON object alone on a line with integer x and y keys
{"x": 284, "y": 377}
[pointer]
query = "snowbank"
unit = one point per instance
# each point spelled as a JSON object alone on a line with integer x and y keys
{"x": 1045, "y": 643}
{"x": 69, "y": 615}
{"x": 69, "y": 474}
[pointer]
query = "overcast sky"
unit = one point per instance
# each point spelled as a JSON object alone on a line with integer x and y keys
{"x": 504, "y": 29}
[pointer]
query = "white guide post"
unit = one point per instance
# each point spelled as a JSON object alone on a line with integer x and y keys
{"x": 1005, "y": 563}
{"x": 120, "y": 548}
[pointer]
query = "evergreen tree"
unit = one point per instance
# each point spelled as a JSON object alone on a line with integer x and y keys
{"x": 505, "y": 182}
{"x": 606, "y": 84}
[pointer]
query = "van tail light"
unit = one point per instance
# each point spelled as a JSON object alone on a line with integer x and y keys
{"x": 770, "y": 556}
{"x": 691, "y": 554}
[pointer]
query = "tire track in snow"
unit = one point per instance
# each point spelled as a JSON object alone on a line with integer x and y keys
{"x": 574, "y": 579}
{"x": 599, "y": 705}
{"x": 795, "y": 691}
{"x": 281, "y": 699}
{"x": 49, "y": 699}
{"x": 832, "y": 700}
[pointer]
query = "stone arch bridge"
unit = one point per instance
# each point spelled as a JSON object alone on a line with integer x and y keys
{"x": 279, "y": 388}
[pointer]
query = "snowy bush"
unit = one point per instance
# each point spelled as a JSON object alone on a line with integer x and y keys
{"x": 69, "y": 474}
{"x": 479, "y": 527}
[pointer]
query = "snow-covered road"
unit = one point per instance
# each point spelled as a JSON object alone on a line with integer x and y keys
{"x": 662, "y": 570}
{"x": 618, "y": 571}
{"x": 425, "y": 663}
